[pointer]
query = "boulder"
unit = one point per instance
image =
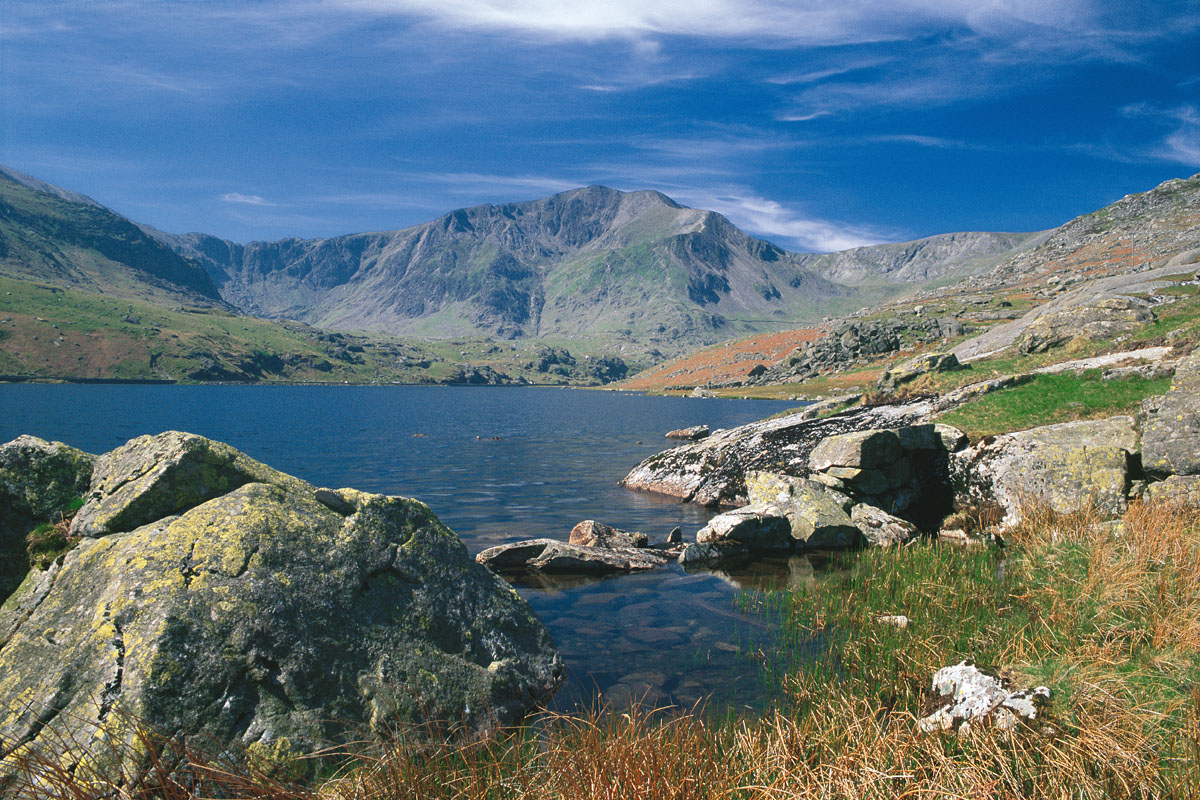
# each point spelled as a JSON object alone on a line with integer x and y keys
{"x": 260, "y": 616}
{"x": 713, "y": 471}
{"x": 972, "y": 697}
{"x": 910, "y": 370}
{"x": 700, "y": 553}
{"x": 700, "y": 391}
{"x": 818, "y": 517}
{"x": 880, "y": 528}
{"x": 590, "y": 533}
{"x": 761, "y": 528}
{"x": 692, "y": 434}
{"x": 1099, "y": 320}
{"x": 39, "y": 481}
{"x": 1177, "y": 489}
{"x": 1171, "y": 424}
{"x": 862, "y": 449}
{"x": 151, "y": 477}
{"x": 551, "y": 555}
{"x": 41, "y": 478}
{"x": 1067, "y": 466}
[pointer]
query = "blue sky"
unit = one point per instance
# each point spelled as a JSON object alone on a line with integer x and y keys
{"x": 817, "y": 124}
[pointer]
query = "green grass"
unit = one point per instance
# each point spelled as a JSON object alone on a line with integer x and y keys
{"x": 1049, "y": 399}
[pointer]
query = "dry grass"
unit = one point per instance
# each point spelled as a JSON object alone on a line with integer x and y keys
{"x": 1108, "y": 616}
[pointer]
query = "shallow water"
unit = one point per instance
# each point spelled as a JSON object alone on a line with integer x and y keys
{"x": 496, "y": 465}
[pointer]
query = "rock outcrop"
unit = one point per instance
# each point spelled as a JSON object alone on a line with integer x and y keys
{"x": 1067, "y": 466}
{"x": 1100, "y": 320}
{"x": 254, "y": 612}
{"x": 712, "y": 472}
{"x": 1171, "y": 424}
{"x": 910, "y": 370}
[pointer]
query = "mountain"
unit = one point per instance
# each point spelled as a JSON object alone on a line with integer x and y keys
{"x": 625, "y": 270}
{"x": 58, "y": 237}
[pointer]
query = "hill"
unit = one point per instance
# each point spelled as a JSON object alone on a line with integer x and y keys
{"x": 58, "y": 237}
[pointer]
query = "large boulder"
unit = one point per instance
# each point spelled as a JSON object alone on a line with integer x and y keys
{"x": 818, "y": 517}
{"x": 761, "y": 528}
{"x": 151, "y": 477}
{"x": 39, "y": 482}
{"x": 1066, "y": 466}
{"x": 713, "y": 471}
{"x": 265, "y": 616}
{"x": 1100, "y": 320}
{"x": 1171, "y": 424}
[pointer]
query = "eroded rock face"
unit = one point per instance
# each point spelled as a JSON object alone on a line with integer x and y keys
{"x": 712, "y": 472}
{"x": 1101, "y": 320}
{"x": 1067, "y": 466}
{"x": 1171, "y": 424}
{"x": 151, "y": 477}
{"x": 262, "y": 614}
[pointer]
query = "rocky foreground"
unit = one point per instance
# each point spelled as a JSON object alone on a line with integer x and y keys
{"x": 200, "y": 592}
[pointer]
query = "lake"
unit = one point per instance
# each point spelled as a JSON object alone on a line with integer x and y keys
{"x": 496, "y": 465}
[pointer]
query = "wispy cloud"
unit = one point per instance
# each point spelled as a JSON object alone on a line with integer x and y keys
{"x": 790, "y": 226}
{"x": 483, "y": 184}
{"x": 245, "y": 199}
{"x": 1180, "y": 141}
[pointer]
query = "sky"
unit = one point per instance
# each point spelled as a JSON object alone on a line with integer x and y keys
{"x": 816, "y": 124}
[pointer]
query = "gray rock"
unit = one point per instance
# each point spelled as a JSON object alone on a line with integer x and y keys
{"x": 41, "y": 478}
{"x": 260, "y": 616}
{"x": 1067, "y": 466}
{"x": 880, "y": 528}
{"x": 553, "y": 556}
{"x": 700, "y": 391}
{"x": 590, "y": 533}
{"x": 1176, "y": 489}
{"x": 818, "y": 516}
{"x": 151, "y": 477}
{"x": 910, "y": 370}
{"x": 862, "y": 449}
{"x": 1171, "y": 424}
{"x": 973, "y": 697}
{"x": 699, "y": 553}
{"x": 675, "y": 536}
{"x": 761, "y": 528}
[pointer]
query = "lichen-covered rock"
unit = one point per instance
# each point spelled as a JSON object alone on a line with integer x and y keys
{"x": 590, "y": 533}
{"x": 713, "y": 471}
{"x": 973, "y": 697}
{"x": 910, "y": 370}
{"x": 1171, "y": 424}
{"x": 151, "y": 477}
{"x": 761, "y": 528}
{"x": 38, "y": 482}
{"x": 819, "y": 516}
{"x": 41, "y": 478}
{"x": 260, "y": 615}
{"x": 863, "y": 450}
{"x": 1068, "y": 466}
{"x": 551, "y": 555}
{"x": 1101, "y": 320}
{"x": 880, "y": 528}
{"x": 1176, "y": 489}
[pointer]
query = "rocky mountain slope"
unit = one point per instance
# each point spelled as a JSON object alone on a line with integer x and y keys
{"x": 54, "y": 236}
{"x": 635, "y": 271}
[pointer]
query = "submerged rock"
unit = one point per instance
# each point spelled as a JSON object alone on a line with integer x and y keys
{"x": 258, "y": 615}
{"x": 973, "y": 697}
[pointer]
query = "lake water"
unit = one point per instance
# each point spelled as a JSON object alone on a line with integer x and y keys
{"x": 496, "y": 465}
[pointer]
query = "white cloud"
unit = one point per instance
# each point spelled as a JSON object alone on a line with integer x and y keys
{"x": 796, "y": 230}
{"x": 813, "y": 21}
{"x": 245, "y": 199}
{"x": 1182, "y": 143}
